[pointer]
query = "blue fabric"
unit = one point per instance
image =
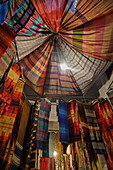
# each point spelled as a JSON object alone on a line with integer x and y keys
{"x": 63, "y": 122}
{"x": 3, "y": 11}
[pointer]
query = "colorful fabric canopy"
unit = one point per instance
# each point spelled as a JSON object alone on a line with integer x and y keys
{"x": 49, "y": 33}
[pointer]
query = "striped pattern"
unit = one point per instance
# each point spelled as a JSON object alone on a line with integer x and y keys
{"x": 6, "y": 59}
{"x": 16, "y": 160}
{"x": 63, "y": 122}
{"x": 59, "y": 82}
{"x": 90, "y": 129}
{"x": 9, "y": 124}
{"x": 85, "y": 70}
{"x": 27, "y": 45}
{"x": 94, "y": 130}
{"x": 51, "y": 12}
{"x": 102, "y": 162}
{"x": 104, "y": 115}
{"x": 31, "y": 149}
{"x": 6, "y": 38}
{"x": 74, "y": 130}
{"x": 42, "y": 127}
{"x": 88, "y": 27}
{"x": 35, "y": 66}
{"x": 27, "y": 21}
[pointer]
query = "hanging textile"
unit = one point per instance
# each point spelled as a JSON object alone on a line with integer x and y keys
{"x": 9, "y": 122}
{"x": 6, "y": 38}
{"x": 3, "y": 11}
{"x": 74, "y": 131}
{"x": 102, "y": 162}
{"x": 42, "y": 127}
{"x": 45, "y": 153}
{"x": 43, "y": 163}
{"x": 31, "y": 148}
{"x": 16, "y": 160}
{"x": 82, "y": 155}
{"x": 65, "y": 162}
{"x": 51, "y": 164}
{"x": 52, "y": 144}
{"x": 105, "y": 119}
{"x": 10, "y": 83}
{"x": 63, "y": 122}
{"x": 59, "y": 147}
{"x": 6, "y": 59}
{"x": 90, "y": 128}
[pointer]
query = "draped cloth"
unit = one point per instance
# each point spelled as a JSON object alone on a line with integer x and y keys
{"x": 6, "y": 59}
{"x": 90, "y": 128}
{"x": 9, "y": 122}
{"x": 65, "y": 162}
{"x": 105, "y": 119}
{"x": 42, "y": 127}
{"x": 74, "y": 130}
{"x": 10, "y": 84}
{"x": 31, "y": 148}
{"x": 6, "y": 38}
{"x": 82, "y": 155}
{"x": 63, "y": 122}
{"x": 43, "y": 163}
{"x": 51, "y": 164}
{"x": 3, "y": 11}
{"x": 16, "y": 160}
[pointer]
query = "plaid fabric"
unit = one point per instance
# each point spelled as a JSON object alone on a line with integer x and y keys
{"x": 35, "y": 66}
{"x": 6, "y": 59}
{"x": 90, "y": 129}
{"x": 31, "y": 149}
{"x": 3, "y": 11}
{"x": 6, "y": 38}
{"x": 15, "y": 164}
{"x": 26, "y": 44}
{"x": 59, "y": 82}
{"x": 105, "y": 119}
{"x": 63, "y": 122}
{"x": 27, "y": 21}
{"x": 87, "y": 26}
{"x": 9, "y": 124}
{"x": 74, "y": 130}
{"x": 51, "y": 12}
{"x": 42, "y": 127}
{"x": 85, "y": 69}
{"x": 94, "y": 130}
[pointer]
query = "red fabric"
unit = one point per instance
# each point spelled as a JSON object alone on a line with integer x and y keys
{"x": 6, "y": 38}
{"x": 105, "y": 119}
